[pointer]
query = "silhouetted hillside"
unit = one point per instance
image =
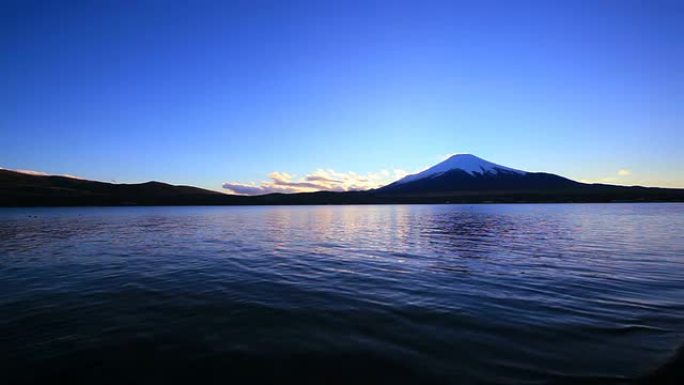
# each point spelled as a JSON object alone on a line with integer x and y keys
{"x": 18, "y": 189}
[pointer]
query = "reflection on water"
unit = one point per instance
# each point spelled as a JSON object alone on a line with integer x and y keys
{"x": 341, "y": 294}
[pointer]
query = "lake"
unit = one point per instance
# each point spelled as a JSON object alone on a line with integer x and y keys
{"x": 444, "y": 294}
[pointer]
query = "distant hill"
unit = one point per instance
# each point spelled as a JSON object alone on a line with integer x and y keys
{"x": 459, "y": 179}
{"x": 19, "y": 189}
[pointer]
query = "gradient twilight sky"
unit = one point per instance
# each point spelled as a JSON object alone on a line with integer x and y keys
{"x": 201, "y": 93}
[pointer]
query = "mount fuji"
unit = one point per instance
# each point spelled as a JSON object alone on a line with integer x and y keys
{"x": 466, "y": 162}
{"x": 469, "y": 173}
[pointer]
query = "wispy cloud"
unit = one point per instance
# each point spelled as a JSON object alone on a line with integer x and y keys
{"x": 39, "y": 173}
{"x": 319, "y": 180}
{"x": 624, "y": 172}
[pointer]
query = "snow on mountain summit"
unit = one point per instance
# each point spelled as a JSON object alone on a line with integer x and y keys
{"x": 468, "y": 163}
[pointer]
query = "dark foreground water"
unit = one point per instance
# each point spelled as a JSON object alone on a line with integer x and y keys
{"x": 444, "y": 294}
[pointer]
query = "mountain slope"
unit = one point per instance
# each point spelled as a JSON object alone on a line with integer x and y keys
{"x": 457, "y": 181}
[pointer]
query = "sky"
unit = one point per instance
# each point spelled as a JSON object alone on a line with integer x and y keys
{"x": 261, "y": 96}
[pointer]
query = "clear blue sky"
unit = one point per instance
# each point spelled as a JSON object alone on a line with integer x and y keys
{"x": 201, "y": 93}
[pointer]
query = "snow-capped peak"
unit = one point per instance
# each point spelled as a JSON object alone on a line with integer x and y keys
{"x": 471, "y": 164}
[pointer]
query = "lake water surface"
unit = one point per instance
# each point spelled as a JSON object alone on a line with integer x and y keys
{"x": 444, "y": 294}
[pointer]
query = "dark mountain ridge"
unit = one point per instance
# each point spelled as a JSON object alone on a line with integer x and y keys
{"x": 19, "y": 189}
